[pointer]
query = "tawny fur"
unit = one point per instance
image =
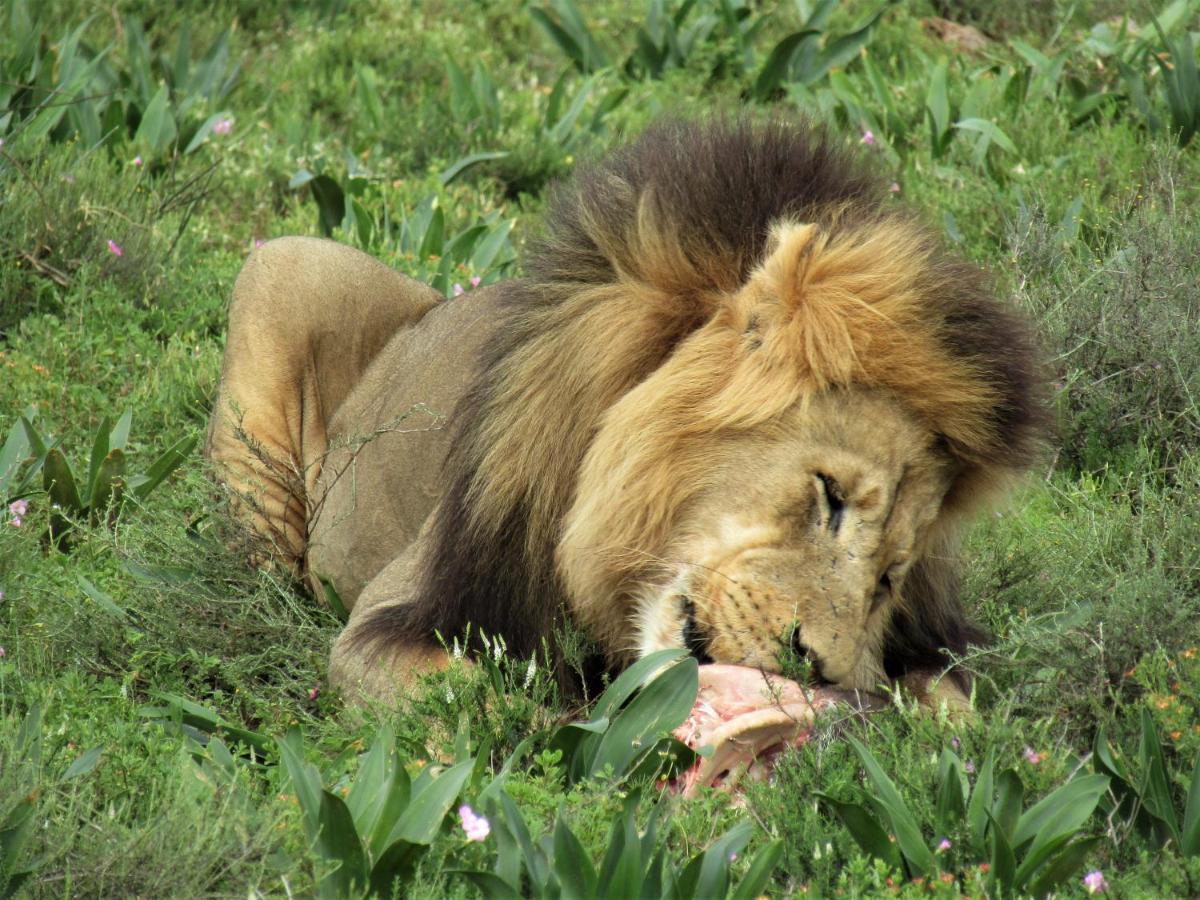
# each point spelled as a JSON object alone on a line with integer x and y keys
{"x": 723, "y": 276}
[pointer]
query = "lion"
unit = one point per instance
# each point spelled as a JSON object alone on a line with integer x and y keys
{"x": 741, "y": 402}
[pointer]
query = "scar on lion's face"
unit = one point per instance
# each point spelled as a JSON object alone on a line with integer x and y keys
{"x": 804, "y": 539}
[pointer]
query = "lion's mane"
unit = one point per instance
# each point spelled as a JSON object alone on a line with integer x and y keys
{"x": 643, "y": 249}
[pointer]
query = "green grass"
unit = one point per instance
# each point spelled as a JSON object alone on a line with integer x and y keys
{"x": 1083, "y": 204}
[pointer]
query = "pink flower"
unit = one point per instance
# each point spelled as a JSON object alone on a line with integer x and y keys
{"x": 18, "y": 509}
{"x": 3, "y": 653}
{"x": 258, "y": 242}
{"x": 474, "y": 825}
{"x": 114, "y": 248}
{"x": 944, "y": 845}
{"x": 475, "y": 279}
{"x": 1032, "y": 756}
{"x": 969, "y": 767}
{"x": 868, "y": 137}
{"x": 954, "y": 742}
{"x": 223, "y": 126}
{"x": 314, "y": 693}
{"x": 458, "y": 289}
{"x": 1094, "y": 882}
{"x": 895, "y": 188}
{"x": 137, "y": 161}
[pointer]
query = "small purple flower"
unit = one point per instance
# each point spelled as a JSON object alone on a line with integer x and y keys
{"x": 458, "y": 289}
{"x": 944, "y": 845}
{"x": 223, "y": 126}
{"x": 258, "y": 242}
{"x": 868, "y": 137}
{"x": 1032, "y": 756}
{"x": 314, "y": 693}
{"x": 18, "y": 509}
{"x": 3, "y": 652}
{"x": 955, "y": 743}
{"x": 1094, "y": 882}
{"x": 475, "y": 279}
{"x": 137, "y": 161}
{"x": 475, "y": 826}
{"x": 969, "y": 766}
{"x": 114, "y": 248}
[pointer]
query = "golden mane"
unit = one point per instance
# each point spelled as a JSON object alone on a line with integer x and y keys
{"x": 716, "y": 274}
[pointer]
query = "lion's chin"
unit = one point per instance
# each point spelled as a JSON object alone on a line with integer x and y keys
{"x": 746, "y": 717}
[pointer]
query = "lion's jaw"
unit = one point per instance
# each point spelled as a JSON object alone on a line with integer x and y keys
{"x": 801, "y": 533}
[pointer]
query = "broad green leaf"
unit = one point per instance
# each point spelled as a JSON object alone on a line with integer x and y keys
{"x": 337, "y": 841}
{"x": 60, "y": 483}
{"x": 1064, "y": 810}
{"x": 492, "y": 886}
{"x": 395, "y": 795}
{"x": 1063, "y": 866}
{"x": 535, "y": 861}
{"x": 84, "y": 764}
{"x": 951, "y": 792}
{"x": 12, "y": 455}
{"x": 119, "y": 436}
{"x": 157, "y": 129}
{"x": 632, "y": 678}
{"x": 981, "y": 803}
{"x": 661, "y": 706}
{"x": 713, "y": 880}
{"x": 461, "y": 165}
{"x": 206, "y": 129}
{"x": 774, "y": 70}
{"x": 108, "y": 484}
{"x": 1003, "y": 861}
{"x": 102, "y": 599}
{"x": 754, "y": 884}
{"x": 621, "y": 869}
{"x": 1189, "y": 839}
{"x": 399, "y": 861}
{"x": 990, "y": 130}
{"x": 908, "y": 832}
{"x": 574, "y": 868}
{"x": 369, "y": 791}
{"x": 867, "y": 832}
{"x": 1010, "y": 797}
{"x": 99, "y": 452}
{"x": 937, "y": 105}
{"x": 420, "y": 822}
{"x": 1155, "y": 786}
{"x": 168, "y": 462}
{"x": 485, "y": 254}
{"x": 305, "y": 779}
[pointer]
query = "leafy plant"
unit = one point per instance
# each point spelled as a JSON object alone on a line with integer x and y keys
{"x": 635, "y": 861}
{"x": 806, "y": 56}
{"x": 1028, "y": 850}
{"x": 17, "y": 818}
{"x": 19, "y": 463}
{"x": 1146, "y": 802}
{"x": 102, "y": 492}
{"x": 384, "y": 824}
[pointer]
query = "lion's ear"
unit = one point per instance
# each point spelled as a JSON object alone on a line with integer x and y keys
{"x": 787, "y": 267}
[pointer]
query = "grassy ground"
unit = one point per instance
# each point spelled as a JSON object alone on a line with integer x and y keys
{"x": 1051, "y": 155}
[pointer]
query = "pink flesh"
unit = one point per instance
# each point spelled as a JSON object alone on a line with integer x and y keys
{"x": 747, "y": 716}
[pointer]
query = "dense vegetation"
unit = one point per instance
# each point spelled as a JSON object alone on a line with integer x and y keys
{"x": 163, "y": 726}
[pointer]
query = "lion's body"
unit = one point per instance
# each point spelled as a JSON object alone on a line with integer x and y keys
{"x": 736, "y": 401}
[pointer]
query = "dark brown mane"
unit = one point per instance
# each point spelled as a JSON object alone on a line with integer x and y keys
{"x": 679, "y": 216}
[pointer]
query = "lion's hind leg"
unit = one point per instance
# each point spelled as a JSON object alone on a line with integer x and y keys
{"x": 307, "y": 318}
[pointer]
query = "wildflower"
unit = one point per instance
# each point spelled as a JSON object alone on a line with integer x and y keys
{"x": 458, "y": 289}
{"x": 314, "y": 693}
{"x": 1094, "y": 882}
{"x": 3, "y": 653}
{"x": 223, "y": 126}
{"x": 137, "y": 161}
{"x": 868, "y": 137}
{"x": 969, "y": 767}
{"x": 114, "y": 248}
{"x": 475, "y": 826}
{"x": 475, "y": 279}
{"x": 955, "y": 743}
{"x": 946, "y": 878}
{"x": 732, "y": 855}
{"x": 258, "y": 242}
{"x": 1, "y": 596}
{"x": 530, "y": 670}
{"x": 1032, "y": 756}
{"x": 944, "y": 845}
{"x": 895, "y": 187}
{"x": 18, "y": 509}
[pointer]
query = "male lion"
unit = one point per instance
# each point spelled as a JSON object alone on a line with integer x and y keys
{"x": 740, "y": 398}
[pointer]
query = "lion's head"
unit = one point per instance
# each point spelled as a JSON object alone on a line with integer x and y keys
{"x": 741, "y": 399}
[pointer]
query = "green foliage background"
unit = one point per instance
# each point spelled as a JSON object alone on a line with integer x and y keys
{"x": 1059, "y": 156}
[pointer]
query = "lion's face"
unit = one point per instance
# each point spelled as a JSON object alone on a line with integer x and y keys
{"x": 800, "y": 530}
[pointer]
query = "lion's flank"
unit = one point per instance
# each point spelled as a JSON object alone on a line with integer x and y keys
{"x": 765, "y": 243}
